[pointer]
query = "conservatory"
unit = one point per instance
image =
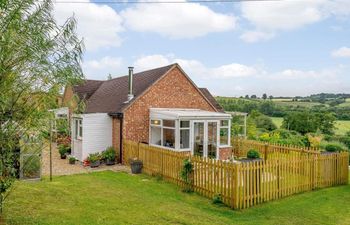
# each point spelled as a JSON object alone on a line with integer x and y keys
{"x": 200, "y": 132}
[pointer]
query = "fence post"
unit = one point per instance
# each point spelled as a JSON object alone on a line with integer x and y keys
{"x": 266, "y": 146}
{"x": 235, "y": 187}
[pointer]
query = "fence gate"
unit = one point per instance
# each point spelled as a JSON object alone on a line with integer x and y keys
{"x": 30, "y": 159}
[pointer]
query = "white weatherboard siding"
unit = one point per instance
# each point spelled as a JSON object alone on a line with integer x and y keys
{"x": 97, "y": 133}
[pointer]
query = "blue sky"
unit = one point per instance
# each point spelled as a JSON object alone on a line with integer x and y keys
{"x": 284, "y": 48}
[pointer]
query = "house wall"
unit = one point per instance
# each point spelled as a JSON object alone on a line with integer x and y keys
{"x": 97, "y": 133}
{"x": 225, "y": 153}
{"x": 173, "y": 91}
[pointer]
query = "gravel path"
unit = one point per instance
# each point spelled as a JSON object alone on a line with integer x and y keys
{"x": 62, "y": 167}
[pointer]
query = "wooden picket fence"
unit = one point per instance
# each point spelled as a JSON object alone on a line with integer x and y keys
{"x": 244, "y": 184}
{"x": 268, "y": 150}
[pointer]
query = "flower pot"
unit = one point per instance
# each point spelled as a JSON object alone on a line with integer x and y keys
{"x": 72, "y": 162}
{"x": 95, "y": 164}
{"x": 136, "y": 166}
{"x": 63, "y": 156}
{"x": 110, "y": 162}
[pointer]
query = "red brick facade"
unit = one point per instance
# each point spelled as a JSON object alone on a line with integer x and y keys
{"x": 225, "y": 153}
{"x": 174, "y": 90}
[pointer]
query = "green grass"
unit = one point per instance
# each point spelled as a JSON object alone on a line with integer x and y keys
{"x": 345, "y": 104}
{"x": 342, "y": 126}
{"x": 119, "y": 198}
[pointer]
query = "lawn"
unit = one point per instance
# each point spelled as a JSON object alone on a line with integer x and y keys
{"x": 342, "y": 126}
{"x": 119, "y": 198}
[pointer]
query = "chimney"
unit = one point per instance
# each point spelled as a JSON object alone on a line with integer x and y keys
{"x": 130, "y": 93}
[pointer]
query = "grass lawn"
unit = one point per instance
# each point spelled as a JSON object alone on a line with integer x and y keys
{"x": 119, "y": 198}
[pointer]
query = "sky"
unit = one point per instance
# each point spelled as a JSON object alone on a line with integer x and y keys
{"x": 282, "y": 48}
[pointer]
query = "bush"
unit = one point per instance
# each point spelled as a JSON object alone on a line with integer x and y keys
{"x": 253, "y": 154}
{"x": 186, "y": 175}
{"x": 94, "y": 157}
{"x": 217, "y": 199}
{"x": 334, "y": 147}
{"x": 62, "y": 149}
{"x": 109, "y": 154}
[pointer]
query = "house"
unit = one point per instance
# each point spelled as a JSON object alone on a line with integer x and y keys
{"x": 162, "y": 107}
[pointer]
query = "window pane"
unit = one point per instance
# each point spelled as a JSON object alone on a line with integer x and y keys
{"x": 224, "y": 136}
{"x": 81, "y": 129}
{"x": 168, "y": 123}
{"x": 156, "y": 135}
{"x": 224, "y": 123}
{"x": 155, "y": 122}
{"x": 184, "y": 124}
{"x": 169, "y": 138}
{"x": 184, "y": 138}
{"x": 76, "y": 129}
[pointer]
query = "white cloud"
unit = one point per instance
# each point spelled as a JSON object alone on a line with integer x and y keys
{"x": 177, "y": 20}
{"x": 196, "y": 68}
{"x": 98, "y": 25}
{"x": 341, "y": 52}
{"x": 270, "y": 17}
{"x": 99, "y": 69}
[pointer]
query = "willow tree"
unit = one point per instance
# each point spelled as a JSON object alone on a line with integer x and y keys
{"x": 38, "y": 58}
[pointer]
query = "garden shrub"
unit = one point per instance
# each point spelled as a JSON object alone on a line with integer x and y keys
{"x": 253, "y": 154}
{"x": 94, "y": 157}
{"x": 334, "y": 147}
{"x": 109, "y": 153}
{"x": 217, "y": 199}
{"x": 186, "y": 175}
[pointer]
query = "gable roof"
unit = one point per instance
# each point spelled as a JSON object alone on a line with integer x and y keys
{"x": 211, "y": 99}
{"x": 111, "y": 96}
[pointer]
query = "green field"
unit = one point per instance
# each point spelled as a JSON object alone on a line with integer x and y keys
{"x": 119, "y": 198}
{"x": 342, "y": 126}
{"x": 345, "y": 104}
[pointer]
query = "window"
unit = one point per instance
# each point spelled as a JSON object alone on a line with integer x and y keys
{"x": 163, "y": 133}
{"x": 224, "y": 132}
{"x": 184, "y": 134}
{"x": 78, "y": 128}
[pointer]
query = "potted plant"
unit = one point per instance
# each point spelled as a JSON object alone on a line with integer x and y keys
{"x": 94, "y": 160}
{"x": 63, "y": 151}
{"x": 136, "y": 165}
{"x": 109, "y": 156}
{"x": 71, "y": 160}
{"x": 252, "y": 155}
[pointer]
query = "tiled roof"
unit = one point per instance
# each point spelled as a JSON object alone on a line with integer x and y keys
{"x": 111, "y": 96}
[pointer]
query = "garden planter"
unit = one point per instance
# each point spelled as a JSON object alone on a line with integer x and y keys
{"x": 136, "y": 166}
{"x": 63, "y": 156}
{"x": 110, "y": 162}
{"x": 72, "y": 162}
{"x": 95, "y": 164}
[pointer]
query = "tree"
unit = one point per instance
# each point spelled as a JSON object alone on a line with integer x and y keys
{"x": 270, "y": 97}
{"x": 37, "y": 59}
{"x": 253, "y": 97}
{"x": 305, "y": 122}
{"x": 246, "y": 96}
{"x": 264, "y": 96}
{"x": 109, "y": 77}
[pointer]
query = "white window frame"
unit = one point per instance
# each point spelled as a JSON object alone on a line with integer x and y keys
{"x": 189, "y": 135}
{"x": 78, "y": 128}
{"x": 176, "y": 147}
{"x": 228, "y": 133}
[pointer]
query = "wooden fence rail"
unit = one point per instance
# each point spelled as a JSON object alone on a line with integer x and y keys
{"x": 244, "y": 184}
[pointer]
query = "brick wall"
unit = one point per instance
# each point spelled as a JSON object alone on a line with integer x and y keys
{"x": 225, "y": 153}
{"x": 172, "y": 91}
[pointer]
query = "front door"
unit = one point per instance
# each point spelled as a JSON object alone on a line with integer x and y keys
{"x": 205, "y": 138}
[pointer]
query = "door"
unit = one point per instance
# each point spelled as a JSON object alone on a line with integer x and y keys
{"x": 212, "y": 143}
{"x": 198, "y": 138}
{"x": 205, "y": 138}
